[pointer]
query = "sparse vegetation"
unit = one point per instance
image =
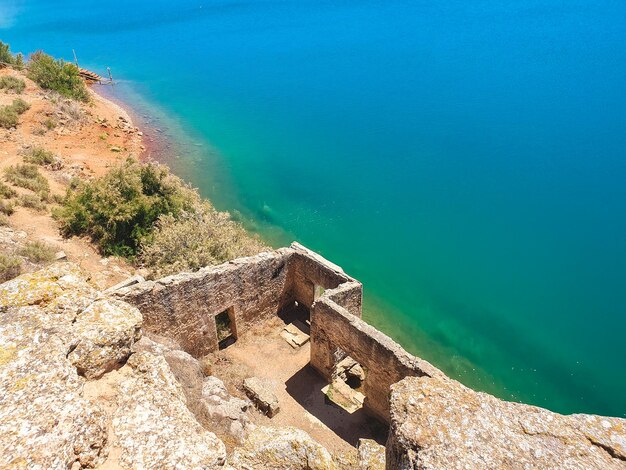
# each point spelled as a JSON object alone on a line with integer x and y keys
{"x": 38, "y": 252}
{"x": 32, "y": 201}
{"x": 9, "y": 115}
{"x": 58, "y": 75}
{"x": 6, "y": 207}
{"x": 7, "y": 58}
{"x": 194, "y": 240}
{"x": 49, "y": 123}
{"x": 27, "y": 176}
{"x": 13, "y": 84}
{"x": 40, "y": 156}
{"x": 10, "y": 267}
{"x": 6, "y": 191}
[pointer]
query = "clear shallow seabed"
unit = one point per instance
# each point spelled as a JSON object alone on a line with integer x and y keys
{"x": 465, "y": 160}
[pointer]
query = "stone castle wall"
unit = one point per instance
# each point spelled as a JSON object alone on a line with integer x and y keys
{"x": 183, "y": 307}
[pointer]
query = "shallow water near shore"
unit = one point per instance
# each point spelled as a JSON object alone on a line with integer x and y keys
{"x": 465, "y": 160}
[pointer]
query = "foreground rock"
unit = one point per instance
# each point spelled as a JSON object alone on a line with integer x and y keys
{"x": 281, "y": 448}
{"x": 223, "y": 411}
{"x": 438, "y": 423}
{"x": 153, "y": 425}
{"x": 206, "y": 397}
{"x": 371, "y": 455}
{"x": 45, "y": 421}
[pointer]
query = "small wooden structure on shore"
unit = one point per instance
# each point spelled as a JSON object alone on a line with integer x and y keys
{"x": 89, "y": 76}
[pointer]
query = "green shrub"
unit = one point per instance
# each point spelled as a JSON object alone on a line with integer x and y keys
{"x": 38, "y": 252}
{"x": 6, "y": 191}
{"x": 118, "y": 210}
{"x": 7, "y": 58}
{"x": 40, "y": 156}
{"x": 6, "y": 207}
{"x": 11, "y": 83}
{"x": 49, "y": 123}
{"x": 57, "y": 75}
{"x": 27, "y": 176}
{"x": 32, "y": 201}
{"x": 4, "y": 221}
{"x": 20, "y": 106}
{"x": 194, "y": 240}
{"x": 9, "y": 115}
{"x": 10, "y": 267}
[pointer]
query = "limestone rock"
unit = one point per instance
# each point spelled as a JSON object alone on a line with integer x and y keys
{"x": 224, "y": 411}
{"x": 53, "y": 324}
{"x": 105, "y": 332}
{"x": 44, "y": 420}
{"x": 439, "y": 423}
{"x": 259, "y": 392}
{"x": 281, "y": 448}
{"x": 153, "y": 425}
{"x": 371, "y": 455}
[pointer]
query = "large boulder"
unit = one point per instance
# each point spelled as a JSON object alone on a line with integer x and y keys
{"x": 45, "y": 422}
{"x": 152, "y": 424}
{"x": 439, "y": 423}
{"x": 224, "y": 412}
{"x": 53, "y": 326}
{"x": 281, "y": 449}
{"x": 104, "y": 334}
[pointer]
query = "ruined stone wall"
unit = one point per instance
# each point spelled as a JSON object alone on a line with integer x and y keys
{"x": 183, "y": 307}
{"x": 309, "y": 270}
{"x": 336, "y": 333}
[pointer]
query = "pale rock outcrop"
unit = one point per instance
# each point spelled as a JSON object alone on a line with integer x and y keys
{"x": 371, "y": 455}
{"x": 45, "y": 422}
{"x": 207, "y": 398}
{"x": 153, "y": 425}
{"x": 105, "y": 332}
{"x": 259, "y": 391}
{"x": 223, "y": 411}
{"x": 439, "y": 423}
{"x": 281, "y": 448}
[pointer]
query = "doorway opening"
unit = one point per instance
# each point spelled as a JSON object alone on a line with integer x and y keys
{"x": 226, "y": 328}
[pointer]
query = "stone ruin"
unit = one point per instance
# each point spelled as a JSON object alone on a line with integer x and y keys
{"x": 184, "y": 307}
{"x": 435, "y": 422}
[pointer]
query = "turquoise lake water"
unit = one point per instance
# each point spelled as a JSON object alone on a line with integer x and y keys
{"x": 465, "y": 160}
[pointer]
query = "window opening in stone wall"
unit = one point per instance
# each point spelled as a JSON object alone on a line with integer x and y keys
{"x": 224, "y": 322}
{"x": 318, "y": 292}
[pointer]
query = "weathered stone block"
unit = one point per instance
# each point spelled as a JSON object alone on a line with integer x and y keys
{"x": 261, "y": 395}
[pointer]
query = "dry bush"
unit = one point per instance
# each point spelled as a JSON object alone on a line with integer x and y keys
{"x": 11, "y": 83}
{"x": 10, "y": 267}
{"x": 6, "y": 192}
{"x": 33, "y": 201}
{"x": 4, "y": 221}
{"x": 195, "y": 240}
{"x": 27, "y": 176}
{"x": 9, "y": 115}
{"x": 38, "y": 252}
{"x": 67, "y": 109}
{"x": 6, "y": 207}
{"x": 40, "y": 156}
